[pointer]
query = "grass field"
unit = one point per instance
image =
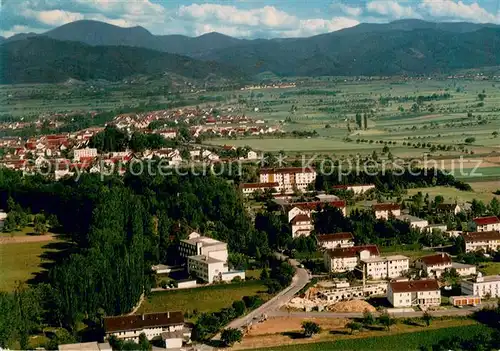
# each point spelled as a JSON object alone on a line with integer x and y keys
{"x": 453, "y": 194}
{"x": 406, "y": 341}
{"x": 490, "y": 268}
{"x": 21, "y": 261}
{"x": 206, "y": 299}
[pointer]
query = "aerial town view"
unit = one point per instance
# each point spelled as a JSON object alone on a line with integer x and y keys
{"x": 262, "y": 175}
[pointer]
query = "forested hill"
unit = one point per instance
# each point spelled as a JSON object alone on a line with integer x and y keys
{"x": 44, "y": 60}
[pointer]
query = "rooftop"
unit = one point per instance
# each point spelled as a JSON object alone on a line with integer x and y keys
{"x": 258, "y": 185}
{"x": 431, "y": 260}
{"x": 300, "y": 218}
{"x": 334, "y": 237}
{"x": 204, "y": 240}
{"x": 409, "y": 218}
{"x": 353, "y": 251}
{"x": 458, "y": 265}
{"x": 85, "y": 346}
{"x": 287, "y": 170}
{"x": 134, "y": 322}
{"x": 486, "y": 220}
{"x": 206, "y": 259}
{"x": 385, "y": 258}
{"x": 386, "y": 207}
{"x": 414, "y": 285}
{"x": 481, "y": 236}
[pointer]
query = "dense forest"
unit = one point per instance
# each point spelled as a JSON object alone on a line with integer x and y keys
{"x": 119, "y": 228}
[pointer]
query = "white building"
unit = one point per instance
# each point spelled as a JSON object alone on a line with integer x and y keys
{"x": 423, "y": 293}
{"x": 347, "y": 292}
{"x": 332, "y": 241}
{"x": 486, "y": 241}
{"x": 346, "y": 259}
{"x": 385, "y": 267}
{"x": 78, "y": 154}
{"x": 289, "y": 178}
{"x": 249, "y": 188}
{"x": 485, "y": 224}
{"x": 356, "y": 189}
{"x": 252, "y": 155}
{"x": 434, "y": 265}
{"x": 301, "y": 225}
{"x": 464, "y": 270}
{"x": 85, "y": 346}
{"x": 482, "y": 286}
{"x": 413, "y": 221}
{"x": 169, "y": 133}
{"x": 383, "y": 211}
{"x": 153, "y": 325}
{"x": 207, "y": 259}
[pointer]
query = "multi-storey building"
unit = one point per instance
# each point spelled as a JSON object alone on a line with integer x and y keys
{"x": 347, "y": 258}
{"x": 485, "y": 224}
{"x": 289, "y": 178}
{"x": 332, "y": 241}
{"x": 424, "y": 293}
{"x": 79, "y": 154}
{"x": 434, "y": 265}
{"x": 482, "y": 286}
{"x": 249, "y": 188}
{"x": 383, "y": 211}
{"x": 413, "y": 221}
{"x": 153, "y": 325}
{"x": 486, "y": 241}
{"x": 301, "y": 225}
{"x": 385, "y": 267}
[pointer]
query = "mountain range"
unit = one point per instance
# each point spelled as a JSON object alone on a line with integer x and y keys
{"x": 400, "y": 47}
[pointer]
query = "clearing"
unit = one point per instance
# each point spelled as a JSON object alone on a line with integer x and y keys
{"x": 206, "y": 299}
{"x": 453, "y": 194}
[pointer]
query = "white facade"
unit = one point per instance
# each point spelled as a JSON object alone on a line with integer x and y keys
{"x": 87, "y": 152}
{"x": 487, "y": 286}
{"x": 301, "y": 226}
{"x": 332, "y": 241}
{"x": 346, "y": 259}
{"x": 198, "y": 245}
{"x": 414, "y": 222}
{"x": 353, "y": 292}
{"x": 289, "y": 178}
{"x": 485, "y": 224}
{"x": 385, "y": 267}
{"x": 252, "y": 155}
{"x": 486, "y": 241}
{"x": 424, "y": 293}
{"x": 207, "y": 268}
{"x": 384, "y": 213}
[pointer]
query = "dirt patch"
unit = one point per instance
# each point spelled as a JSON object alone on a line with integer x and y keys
{"x": 25, "y": 239}
{"x": 352, "y": 306}
{"x": 276, "y": 325}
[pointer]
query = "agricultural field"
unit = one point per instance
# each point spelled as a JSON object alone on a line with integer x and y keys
{"x": 412, "y": 337}
{"x": 490, "y": 268}
{"x": 453, "y": 114}
{"x": 205, "y": 299}
{"x": 21, "y": 261}
{"x": 453, "y": 194}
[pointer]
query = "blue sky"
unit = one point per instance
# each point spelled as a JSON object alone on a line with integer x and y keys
{"x": 240, "y": 18}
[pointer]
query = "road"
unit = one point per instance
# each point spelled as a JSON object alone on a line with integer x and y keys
{"x": 300, "y": 279}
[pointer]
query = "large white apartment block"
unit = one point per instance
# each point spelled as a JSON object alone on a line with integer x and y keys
{"x": 383, "y": 211}
{"x": 385, "y": 267}
{"x": 289, "y": 178}
{"x": 346, "y": 259}
{"x": 78, "y": 154}
{"x": 486, "y": 241}
{"x": 332, "y": 241}
{"x": 482, "y": 286}
{"x": 207, "y": 258}
{"x": 153, "y": 325}
{"x": 485, "y": 224}
{"x": 423, "y": 293}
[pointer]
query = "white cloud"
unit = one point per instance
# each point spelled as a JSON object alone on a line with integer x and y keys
{"x": 316, "y": 26}
{"x": 448, "y": 9}
{"x": 53, "y": 17}
{"x": 391, "y": 9}
{"x": 19, "y": 29}
{"x": 348, "y": 10}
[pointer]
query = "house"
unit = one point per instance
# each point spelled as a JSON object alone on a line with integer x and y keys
{"x": 332, "y": 241}
{"x": 207, "y": 259}
{"x": 169, "y": 133}
{"x": 383, "y": 211}
{"x": 356, "y": 189}
{"x": 434, "y": 265}
{"x": 85, "y": 346}
{"x": 252, "y": 155}
{"x": 485, "y": 224}
{"x": 385, "y": 267}
{"x": 486, "y": 241}
{"x": 250, "y": 188}
{"x": 423, "y": 293}
{"x": 449, "y": 208}
{"x": 301, "y": 225}
{"x": 153, "y": 325}
{"x": 413, "y": 221}
{"x": 464, "y": 270}
{"x": 347, "y": 258}
{"x": 289, "y": 178}
{"x": 87, "y": 152}
{"x": 315, "y": 206}
{"x": 482, "y": 286}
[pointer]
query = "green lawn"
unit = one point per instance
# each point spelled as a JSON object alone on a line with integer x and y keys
{"x": 20, "y": 262}
{"x": 490, "y": 268}
{"x": 206, "y": 299}
{"x": 407, "y": 341}
{"x": 452, "y": 194}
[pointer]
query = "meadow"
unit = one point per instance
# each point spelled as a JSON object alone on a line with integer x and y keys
{"x": 406, "y": 341}
{"x": 204, "y": 299}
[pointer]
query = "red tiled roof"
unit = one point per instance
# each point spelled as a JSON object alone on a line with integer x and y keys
{"x": 300, "y": 218}
{"x": 134, "y": 322}
{"x": 486, "y": 220}
{"x": 312, "y": 205}
{"x": 386, "y": 207}
{"x": 442, "y": 258}
{"x": 334, "y": 237}
{"x": 258, "y": 185}
{"x": 287, "y": 170}
{"x": 415, "y": 286}
{"x": 353, "y": 251}
{"x": 481, "y": 236}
